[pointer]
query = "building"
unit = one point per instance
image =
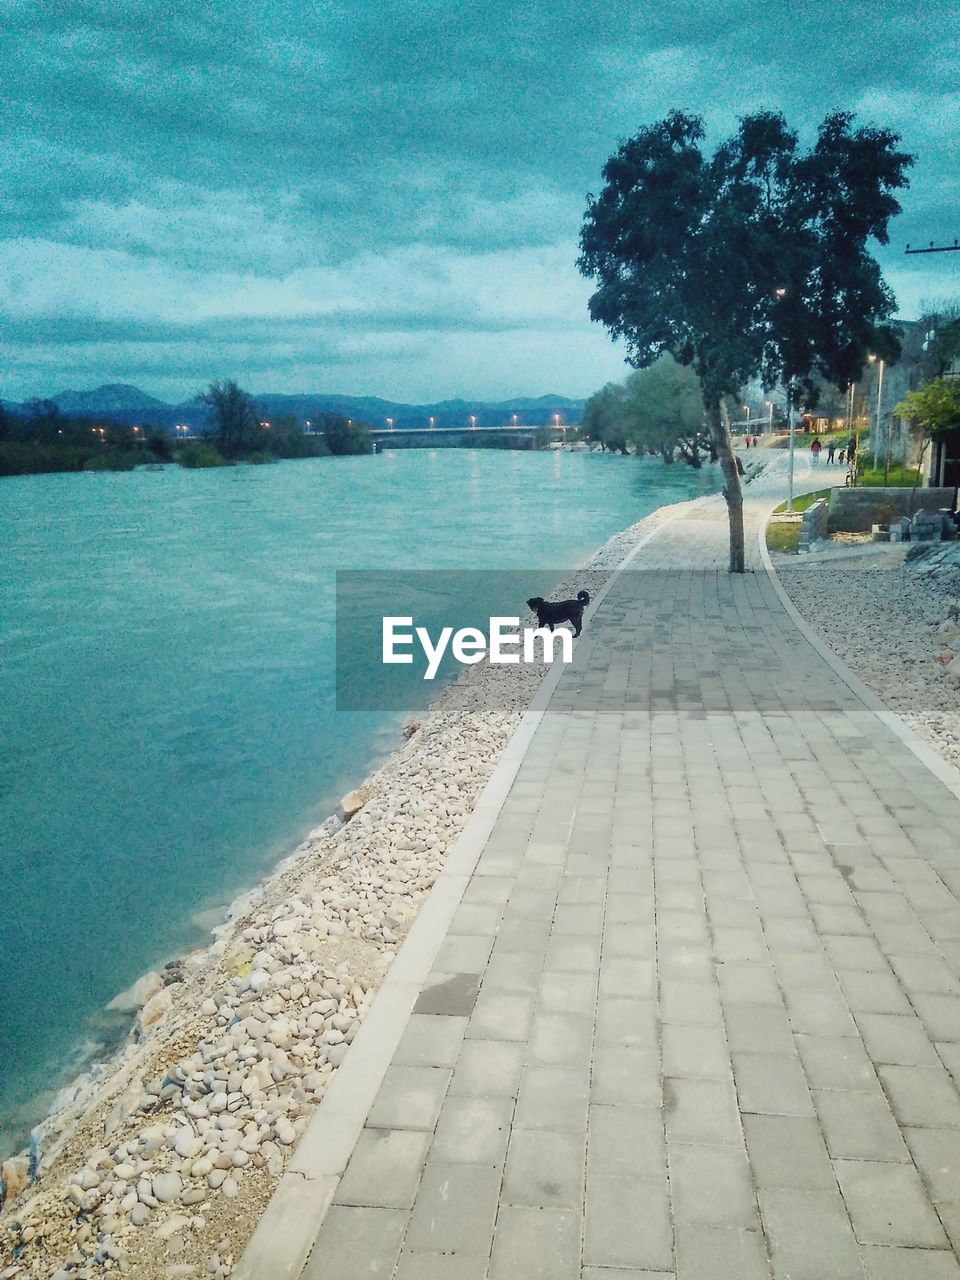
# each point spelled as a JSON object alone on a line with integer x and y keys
{"x": 875, "y": 396}
{"x": 883, "y": 433}
{"x": 945, "y": 448}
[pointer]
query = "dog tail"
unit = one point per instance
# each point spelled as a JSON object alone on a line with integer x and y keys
{"x": 583, "y": 597}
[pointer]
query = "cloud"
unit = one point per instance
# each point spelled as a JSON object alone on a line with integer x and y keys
{"x": 396, "y": 168}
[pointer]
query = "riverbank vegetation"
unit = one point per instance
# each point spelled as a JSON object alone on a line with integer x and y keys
{"x": 43, "y": 439}
{"x": 657, "y": 410}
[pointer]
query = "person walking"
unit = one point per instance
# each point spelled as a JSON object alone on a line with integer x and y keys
{"x": 831, "y": 450}
{"x": 815, "y": 451}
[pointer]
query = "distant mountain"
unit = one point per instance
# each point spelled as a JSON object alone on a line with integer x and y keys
{"x": 115, "y": 398}
{"x": 120, "y": 402}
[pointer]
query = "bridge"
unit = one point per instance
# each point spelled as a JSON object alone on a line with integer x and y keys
{"x": 412, "y": 437}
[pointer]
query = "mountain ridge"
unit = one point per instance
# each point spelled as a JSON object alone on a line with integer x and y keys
{"x": 124, "y": 402}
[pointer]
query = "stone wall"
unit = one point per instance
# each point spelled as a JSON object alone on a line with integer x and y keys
{"x": 857, "y": 510}
{"x": 814, "y": 526}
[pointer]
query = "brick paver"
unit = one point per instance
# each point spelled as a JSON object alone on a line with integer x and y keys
{"x": 698, "y": 1015}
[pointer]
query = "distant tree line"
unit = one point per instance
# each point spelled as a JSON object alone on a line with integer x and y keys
{"x": 657, "y": 411}
{"x": 43, "y": 439}
{"x": 240, "y": 431}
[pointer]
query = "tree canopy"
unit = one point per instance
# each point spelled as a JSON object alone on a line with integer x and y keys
{"x": 236, "y": 421}
{"x": 658, "y": 410}
{"x": 748, "y": 263}
{"x": 932, "y": 409}
{"x": 342, "y": 435}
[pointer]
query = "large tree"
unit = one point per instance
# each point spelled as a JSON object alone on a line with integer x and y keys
{"x": 343, "y": 435}
{"x": 236, "y": 420}
{"x": 666, "y": 403}
{"x": 750, "y": 262}
{"x": 605, "y": 418}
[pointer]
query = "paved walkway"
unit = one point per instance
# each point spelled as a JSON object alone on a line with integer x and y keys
{"x": 698, "y": 1013}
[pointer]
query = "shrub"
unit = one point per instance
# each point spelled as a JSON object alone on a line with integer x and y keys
{"x": 20, "y": 459}
{"x": 197, "y": 454}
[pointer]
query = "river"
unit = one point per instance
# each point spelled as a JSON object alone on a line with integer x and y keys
{"x": 167, "y": 728}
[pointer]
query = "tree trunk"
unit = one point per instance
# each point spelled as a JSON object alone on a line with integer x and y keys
{"x": 916, "y": 479}
{"x": 720, "y": 442}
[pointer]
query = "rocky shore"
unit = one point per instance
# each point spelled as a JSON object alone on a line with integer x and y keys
{"x": 159, "y": 1163}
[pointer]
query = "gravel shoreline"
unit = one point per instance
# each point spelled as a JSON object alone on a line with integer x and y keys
{"x": 161, "y": 1162}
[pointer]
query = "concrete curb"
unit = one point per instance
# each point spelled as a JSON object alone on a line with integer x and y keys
{"x": 927, "y": 755}
{"x": 281, "y": 1244}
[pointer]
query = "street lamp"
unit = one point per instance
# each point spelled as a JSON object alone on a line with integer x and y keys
{"x": 769, "y": 404}
{"x": 431, "y": 421}
{"x": 389, "y": 424}
{"x": 473, "y": 421}
{"x": 514, "y": 419}
{"x": 556, "y": 421}
{"x": 780, "y": 294}
{"x": 876, "y": 433}
{"x": 793, "y": 434}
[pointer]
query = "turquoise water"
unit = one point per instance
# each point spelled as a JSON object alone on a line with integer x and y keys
{"x": 166, "y": 687}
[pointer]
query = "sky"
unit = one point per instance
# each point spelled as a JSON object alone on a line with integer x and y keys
{"x": 385, "y": 197}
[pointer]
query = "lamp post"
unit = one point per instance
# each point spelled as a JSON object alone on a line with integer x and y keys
{"x": 389, "y": 424}
{"x": 514, "y": 420}
{"x": 780, "y": 294}
{"x": 770, "y": 416}
{"x": 793, "y": 432}
{"x": 876, "y": 432}
{"x": 473, "y": 422}
{"x": 431, "y": 421}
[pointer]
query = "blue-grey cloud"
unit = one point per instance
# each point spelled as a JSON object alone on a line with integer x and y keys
{"x": 170, "y": 170}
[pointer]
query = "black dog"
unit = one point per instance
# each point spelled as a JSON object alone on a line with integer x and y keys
{"x": 551, "y": 613}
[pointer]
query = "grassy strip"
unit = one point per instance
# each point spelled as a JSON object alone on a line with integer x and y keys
{"x": 898, "y": 477}
{"x": 806, "y": 500}
{"x": 784, "y": 536}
